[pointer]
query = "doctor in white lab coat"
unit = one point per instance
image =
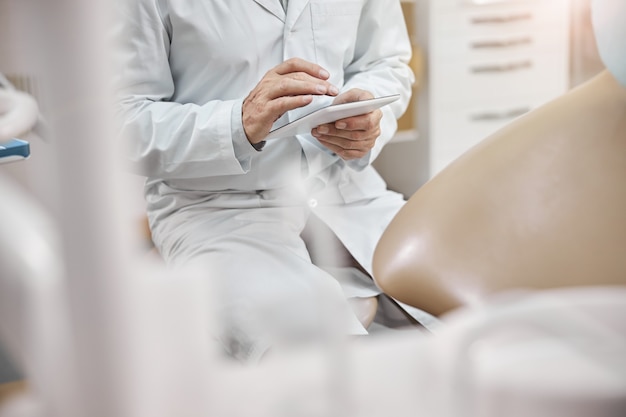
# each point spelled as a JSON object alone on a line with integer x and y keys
{"x": 201, "y": 83}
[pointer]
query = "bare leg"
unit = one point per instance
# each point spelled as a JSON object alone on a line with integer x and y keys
{"x": 327, "y": 251}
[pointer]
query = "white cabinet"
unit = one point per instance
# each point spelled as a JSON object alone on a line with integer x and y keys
{"x": 487, "y": 62}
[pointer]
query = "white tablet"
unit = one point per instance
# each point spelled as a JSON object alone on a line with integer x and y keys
{"x": 330, "y": 114}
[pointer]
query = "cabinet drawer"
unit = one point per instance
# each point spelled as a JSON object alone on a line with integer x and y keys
{"x": 463, "y": 122}
{"x": 466, "y": 18}
{"x": 542, "y": 75}
{"x": 501, "y": 47}
{"x": 442, "y": 5}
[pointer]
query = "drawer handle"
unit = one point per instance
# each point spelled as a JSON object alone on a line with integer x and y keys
{"x": 493, "y": 116}
{"x": 510, "y": 67}
{"x": 501, "y": 44}
{"x": 485, "y": 2}
{"x": 489, "y": 20}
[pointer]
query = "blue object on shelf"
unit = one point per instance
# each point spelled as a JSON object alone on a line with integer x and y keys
{"x": 13, "y": 150}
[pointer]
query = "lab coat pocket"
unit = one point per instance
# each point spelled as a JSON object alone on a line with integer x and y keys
{"x": 335, "y": 25}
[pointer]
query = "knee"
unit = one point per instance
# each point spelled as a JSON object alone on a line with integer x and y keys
{"x": 364, "y": 309}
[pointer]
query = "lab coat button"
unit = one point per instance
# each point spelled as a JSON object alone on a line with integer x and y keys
{"x": 312, "y": 203}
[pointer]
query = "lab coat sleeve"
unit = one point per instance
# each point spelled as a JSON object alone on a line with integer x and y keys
{"x": 162, "y": 138}
{"x": 381, "y": 66}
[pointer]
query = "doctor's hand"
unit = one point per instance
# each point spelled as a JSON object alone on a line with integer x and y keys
{"x": 352, "y": 137}
{"x": 285, "y": 87}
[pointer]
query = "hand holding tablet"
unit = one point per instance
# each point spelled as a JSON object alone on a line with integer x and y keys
{"x": 330, "y": 114}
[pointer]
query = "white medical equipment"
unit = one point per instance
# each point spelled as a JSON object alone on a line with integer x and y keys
{"x": 100, "y": 333}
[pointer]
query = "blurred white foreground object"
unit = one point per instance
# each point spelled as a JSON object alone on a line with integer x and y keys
{"x": 536, "y": 354}
{"x": 547, "y": 353}
{"x": 18, "y": 113}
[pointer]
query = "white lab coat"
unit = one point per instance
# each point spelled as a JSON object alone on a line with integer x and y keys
{"x": 185, "y": 68}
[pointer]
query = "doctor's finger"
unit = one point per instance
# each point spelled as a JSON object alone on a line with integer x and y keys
{"x": 281, "y": 105}
{"x": 366, "y": 122}
{"x": 303, "y": 76}
{"x": 330, "y": 133}
{"x": 346, "y": 139}
{"x": 288, "y": 86}
{"x": 342, "y": 135}
{"x": 300, "y": 65}
{"x": 352, "y": 95}
{"x": 344, "y": 153}
{"x": 350, "y": 144}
